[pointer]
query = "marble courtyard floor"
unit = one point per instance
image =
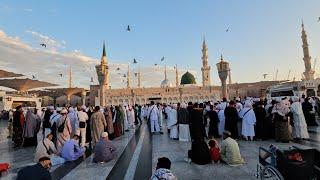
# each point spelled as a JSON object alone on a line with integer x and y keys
{"x": 137, "y": 156}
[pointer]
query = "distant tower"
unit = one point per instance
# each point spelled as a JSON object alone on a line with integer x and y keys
{"x": 139, "y": 78}
{"x": 103, "y": 75}
{"x": 70, "y": 77}
{"x": 205, "y": 67}
{"x": 103, "y": 69}
{"x": 223, "y": 71}
{"x": 309, "y": 72}
{"x": 165, "y": 72}
{"x": 128, "y": 77}
{"x": 230, "y": 80}
{"x": 177, "y": 76}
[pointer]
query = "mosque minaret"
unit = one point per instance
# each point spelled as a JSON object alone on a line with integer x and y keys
{"x": 205, "y": 67}
{"x": 103, "y": 76}
{"x": 309, "y": 72}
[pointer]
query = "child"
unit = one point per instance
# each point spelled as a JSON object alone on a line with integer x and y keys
{"x": 214, "y": 150}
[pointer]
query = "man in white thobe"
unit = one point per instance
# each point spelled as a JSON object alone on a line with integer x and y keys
{"x": 125, "y": 123}
{"x": 248, "y": 120}
{"x": 130, "y": 116}
{"x": 220, "y": 110}
{"x": 172, "y": 121}
{"x": 82, "y": 118}
{"x": 300, "y": 130}
{"x": 152, "y": 116}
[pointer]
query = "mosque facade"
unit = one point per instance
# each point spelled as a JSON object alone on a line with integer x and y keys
{"x": 183, "y": 90}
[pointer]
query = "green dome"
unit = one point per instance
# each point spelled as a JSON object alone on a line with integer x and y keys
{"x": 187, "y": 78}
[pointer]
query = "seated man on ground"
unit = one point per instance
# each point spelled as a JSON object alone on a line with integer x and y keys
{"x": 104, "y": 150}
{"x": 163, "y": 170}
{"x": 46, "y": 148}
{"x": 39, "y": 171}
{"x": 71, "y": 150}
{"x": 230, "y": 152}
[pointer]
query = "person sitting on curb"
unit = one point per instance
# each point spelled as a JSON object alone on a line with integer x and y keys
{"x": 230, "y": 152}
{"x": 46, "y": 148}
{"x": 104, "y": 150}
{"x": 71, "y": 150}
{"x": 163, "y": 170}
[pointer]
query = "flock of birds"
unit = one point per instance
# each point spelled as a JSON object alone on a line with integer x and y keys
{"x": 135, "y": 61}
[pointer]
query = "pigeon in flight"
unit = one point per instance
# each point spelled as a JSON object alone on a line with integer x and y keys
{"x": 264, "y": 76}
{"x": 156, "y": 64}
{"x": 60, "y": 75}
{"x": 118, "y": 69}
{"x": 128, "y": 28}
{"x": 44, "y": 45}
{"x": 135, "y": 61}
{"x": 162, "y": 59}
{"x": 319, "y": 19}
{"x": 124, "y": 75}
{"x": 136, "y": 74}
{"x": 227, "y": 30}
{"x": 33, "y": 77}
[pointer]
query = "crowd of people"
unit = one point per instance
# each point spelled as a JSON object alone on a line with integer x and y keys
{"x": 67, "y": 132}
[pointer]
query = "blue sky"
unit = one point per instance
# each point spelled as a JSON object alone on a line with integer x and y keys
{"x": 263, "y": 35}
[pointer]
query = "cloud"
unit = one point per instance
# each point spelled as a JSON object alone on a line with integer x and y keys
{"x": 50, "y": 42}
{"x": 27, "y": 10}
{"x": 20, "y": 57}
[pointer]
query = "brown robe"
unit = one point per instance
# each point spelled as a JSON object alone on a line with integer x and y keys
{"x": 98, "y": 123}
{"x": 108, "y": 116}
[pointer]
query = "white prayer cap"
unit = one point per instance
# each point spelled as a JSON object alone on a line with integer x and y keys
{"x": 83, "y": 107}
{"x": 59, "y": 109}
{"x": 47, "y": 132}
{"x": 64, "y": 111}
{"x": 104, "y": 134}
{"x": 237, "y": 99}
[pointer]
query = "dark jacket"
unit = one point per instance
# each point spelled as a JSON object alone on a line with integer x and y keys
{"x": 183, "y": 116}
{"x": 34, "y": 172}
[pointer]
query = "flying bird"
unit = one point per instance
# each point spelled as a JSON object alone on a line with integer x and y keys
{"x": 264, "y": 75}
{"x": 124, "y": 75}
{"x": 33, "y": 77}
{"x": 136, "y": 74}
{"x": 44, "y": 45}
{"x": 128, "y": 28}
{"x": 60, "y": 75}
{"x": 227, "y": 30}
{"x": 135, "y": 61}
{"x": 162, "y": 59}
{"x": 155, "y": 64}
{"x": 118, "y": 69}
{"x": 319, "y": 19}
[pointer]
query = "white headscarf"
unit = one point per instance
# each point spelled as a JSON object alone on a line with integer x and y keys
{"x": 295, "y": 99}
{"x": 248, "y": 104}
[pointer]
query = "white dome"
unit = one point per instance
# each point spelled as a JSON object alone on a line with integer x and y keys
{"x": 166, "y": 83}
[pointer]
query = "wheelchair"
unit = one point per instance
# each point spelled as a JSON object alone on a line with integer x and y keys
{"x": 276, "y": 164}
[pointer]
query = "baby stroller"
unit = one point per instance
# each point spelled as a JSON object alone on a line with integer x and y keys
{"x": 294, "y": 163}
